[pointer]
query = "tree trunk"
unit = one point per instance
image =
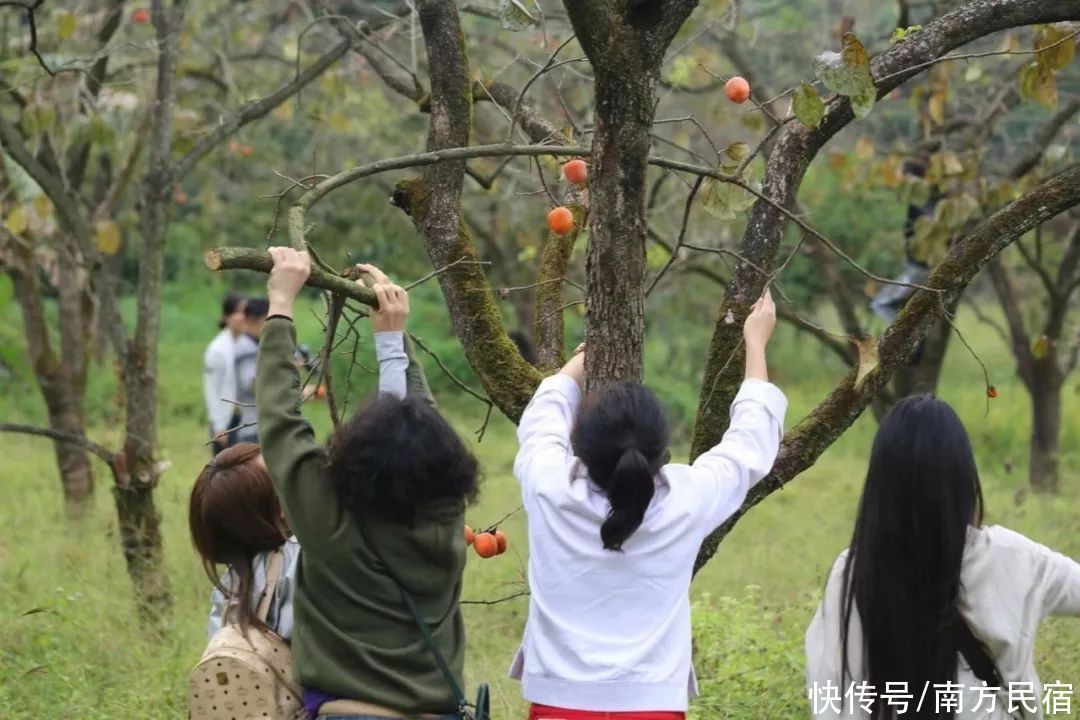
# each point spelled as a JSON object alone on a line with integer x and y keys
{"x": 625, "y": 42}
{"x": 63, "y": 397}
{"x": 615, "y": 258}
{"x": 140, "y": 538}
{"x": 140, "y": 523}
{"x": 1045, "y": 425}
{"x": 65, "y": 414}
{"x": 923, "y": 373}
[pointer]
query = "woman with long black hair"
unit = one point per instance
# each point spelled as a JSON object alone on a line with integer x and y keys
{"x": 613, "y": 533}
{"x": 925, "y": 595}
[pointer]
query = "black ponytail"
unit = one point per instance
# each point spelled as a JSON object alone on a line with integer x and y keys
{"x": 621, "y": 437}
{"x": 631, "y": 492}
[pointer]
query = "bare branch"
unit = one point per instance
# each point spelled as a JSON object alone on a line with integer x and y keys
{"x": 104, "y": 453}
{"x": 241, "y": 258}
{"x": 257, "y": 109}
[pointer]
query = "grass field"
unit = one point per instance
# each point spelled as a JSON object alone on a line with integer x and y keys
{"x": 70, "y": 646}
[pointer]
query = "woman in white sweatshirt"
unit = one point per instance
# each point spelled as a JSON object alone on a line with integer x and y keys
{"x": 613, "y": 533}
{"x": 928, "y": 611}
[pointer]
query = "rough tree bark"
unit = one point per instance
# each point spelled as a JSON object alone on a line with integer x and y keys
{"x": 434, "y": 202}
{"x": 625, "y": 43}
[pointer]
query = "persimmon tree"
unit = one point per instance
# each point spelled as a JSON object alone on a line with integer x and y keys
{"x": 67, "y": 186}
{"x": 625, "y": 43}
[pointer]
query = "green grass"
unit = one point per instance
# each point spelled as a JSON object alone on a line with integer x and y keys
{"x": 70, "y": 646}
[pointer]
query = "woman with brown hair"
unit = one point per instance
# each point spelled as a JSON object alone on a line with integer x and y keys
{"x": 236, "y": 521}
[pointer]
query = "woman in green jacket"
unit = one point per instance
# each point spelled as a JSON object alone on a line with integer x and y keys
{"x": 378, "y": 511}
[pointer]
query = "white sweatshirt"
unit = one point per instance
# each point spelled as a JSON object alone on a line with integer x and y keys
{"x": 610, "y": 631}
{"x": 219, "y": 380}
{"x": 1008, "y": 585}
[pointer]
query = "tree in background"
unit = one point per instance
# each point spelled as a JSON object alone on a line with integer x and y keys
{"x": 68, "y": 189}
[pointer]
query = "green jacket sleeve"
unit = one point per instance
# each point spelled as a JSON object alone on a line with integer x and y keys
{"x": 293, "y": 457}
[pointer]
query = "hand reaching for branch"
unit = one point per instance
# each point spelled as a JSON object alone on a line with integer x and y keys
{"x": 290, "y": 272}
{"x": 757, "y": 330}
{"x": 393, "y": 310}
{"x": 575, "y": 368}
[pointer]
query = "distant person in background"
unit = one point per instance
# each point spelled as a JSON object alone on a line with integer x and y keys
{"x": 219, "y": 374}
{"x": 926, "y": 594}
{"x": 247, "y": 352}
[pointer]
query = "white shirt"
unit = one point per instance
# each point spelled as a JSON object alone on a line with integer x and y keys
{"x": 1008, "y": 584}
{"x": 219, "y": 380}
{"x": 610, "y": 631}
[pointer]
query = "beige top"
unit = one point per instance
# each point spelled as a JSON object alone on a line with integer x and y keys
{"x": 1008, "y": 585}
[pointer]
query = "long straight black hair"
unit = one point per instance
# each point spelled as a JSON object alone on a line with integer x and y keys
{"x": 903, "y": 569}
{"x": 622, "y": 438}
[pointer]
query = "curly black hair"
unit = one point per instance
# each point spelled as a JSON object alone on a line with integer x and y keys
{"x": 397, "y": 455}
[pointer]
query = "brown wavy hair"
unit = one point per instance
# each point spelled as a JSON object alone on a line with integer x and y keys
{"x": 234, "y": 515}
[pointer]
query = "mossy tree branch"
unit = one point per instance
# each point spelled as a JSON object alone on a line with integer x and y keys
{"x": 434, "y": 203}
{"x": 805, "y": 443}
{"x": 796, "y": 148}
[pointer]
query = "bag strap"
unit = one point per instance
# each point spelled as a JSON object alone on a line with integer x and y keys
{"x": 976, "y": 654}
{"x": 444, "y": 668}
{"x": 425, "y": 631}
{"x": 273, "y": 574}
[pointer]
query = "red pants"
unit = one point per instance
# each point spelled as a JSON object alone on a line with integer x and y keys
{"x": 546, "y": 712}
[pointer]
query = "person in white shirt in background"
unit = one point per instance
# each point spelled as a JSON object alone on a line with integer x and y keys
{"x": 247, "y": 353}
{"x": 219, "y": 374}
{"x": 614, "y": 531}
{"x": 926, "y": 595}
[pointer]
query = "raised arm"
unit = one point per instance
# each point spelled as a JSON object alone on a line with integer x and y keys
{"x": 723, "y": 475}
{"x": 289, "y": 449}
{"x": 388, "y": 321}
{"x": 544, "y": 451}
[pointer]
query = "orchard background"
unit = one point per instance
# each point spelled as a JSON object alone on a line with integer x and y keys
{"x": 887, "y": 150}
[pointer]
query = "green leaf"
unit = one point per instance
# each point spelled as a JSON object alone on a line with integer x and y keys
{"x": 66, "y": 24}
{"x": 1037, "y": 82}
{"x": 724, "y": 200}
{"x": 1040, "y": 348}
{"x": 973, "y": 72}
{"x": 848, "y": 72}
{"x": 1055, "y": 45}
{"x": 808, "y": 106}
{"x": 737, "y": 151}
{"x": 861, "y": 105}
{"x": 107, "y": 237}
{"x": 514, "y": 16}
{"x": 16, "y": 220}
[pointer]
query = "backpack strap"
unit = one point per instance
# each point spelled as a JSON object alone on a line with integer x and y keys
{"x": 976, "y": 654}
{"x": 273, "y": 574}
